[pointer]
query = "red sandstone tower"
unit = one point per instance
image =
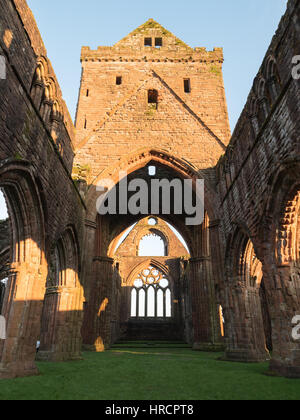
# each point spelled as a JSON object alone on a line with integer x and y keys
{"x": 151, "y": 90}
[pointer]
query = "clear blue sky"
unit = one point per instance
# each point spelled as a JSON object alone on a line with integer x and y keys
{"x": 243, "y": 28}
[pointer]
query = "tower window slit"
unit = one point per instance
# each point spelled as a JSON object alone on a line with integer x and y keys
{"x": 148, "y": 42}
{"x": 187, "y": 85}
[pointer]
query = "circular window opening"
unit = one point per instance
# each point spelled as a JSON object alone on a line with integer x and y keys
{"x": 152, "y": 221}
{"x": 138, "y": 283}
{"x": 164, "y": 283}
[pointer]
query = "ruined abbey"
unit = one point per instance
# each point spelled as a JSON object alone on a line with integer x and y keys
{"x": 149, "y": 107}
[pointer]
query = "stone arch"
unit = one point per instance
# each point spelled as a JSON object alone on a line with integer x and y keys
{"x": 253, "y": 111}
{"x": 39, "y": 80}
{"x": 165, "y": 232}
{"x": 28, "y": 269}
{"x": 272, "y": 78}
{"x": 153, "y": 231}
{"x": 281, "y": 214}
{"x": 141, "y": 158}
{"x": 281, "y": 267}
{"x": 63, "y": 304}
{"x": 244, "y": 326}
{"x": 241, "y": 260}
{"x": 108, "y": 230}
{"x": 287, "y": 250}
{"x": 260, "y": 88}
{"x": 135, "y": 162}
{"x": 143, "y": 265}
{"x": 44, "y": 93}
{"x": 48, "y": 99}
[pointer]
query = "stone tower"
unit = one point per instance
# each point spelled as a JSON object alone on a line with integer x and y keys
{"x": 151, "y": 90}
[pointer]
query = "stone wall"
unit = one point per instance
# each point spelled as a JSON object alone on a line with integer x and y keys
{"x": 36, "y": 157}
{"x": 259, "y": 185}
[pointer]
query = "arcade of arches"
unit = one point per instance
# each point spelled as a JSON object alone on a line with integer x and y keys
{"x": 74, "y": 279}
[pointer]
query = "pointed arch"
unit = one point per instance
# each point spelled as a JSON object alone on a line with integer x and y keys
{"x": 144, "y": 265}
{"x": 60, "y": 333}
{"x": 28, "y": 269}
{"x": 279, "y": 227}
{"x": 242, "y": 264}
{"x": 272, "y": 78}
{"x": 141, "y": 158}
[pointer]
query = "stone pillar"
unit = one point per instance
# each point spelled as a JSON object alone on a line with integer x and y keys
{"x": 204, "y": 308}
{"x": 97, "y": 323}
{"x": 283, "y": 288}
{"x": 22, "y": 309}
{"x": 217, "y": 269}
{"x": 115, "y": 305}
{"x": 245, "y": 337}
{"x": 61, "y": 327}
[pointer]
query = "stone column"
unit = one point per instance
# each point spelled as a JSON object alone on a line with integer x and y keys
{"x": 204, "y": 307}
{"x": 217, "y": 269}
{"x": 61, "y": 327}
{"x": 244, "y": 329}
{"x": 97, "y": 324}
{"x": 283, "y": 288}
{"x": 22, "y": 309}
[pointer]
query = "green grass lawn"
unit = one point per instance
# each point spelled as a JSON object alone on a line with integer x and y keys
{"x": 150, "y": 374}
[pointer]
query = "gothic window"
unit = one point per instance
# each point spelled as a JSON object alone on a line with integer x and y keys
{"x": 152, "y": 221}
{"x": 151, "y": 295}
{"x": 187, "y": 85}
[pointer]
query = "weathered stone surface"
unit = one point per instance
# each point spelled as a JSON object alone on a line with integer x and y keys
{"x": 162, "y": 105}
{"x": 259, "y": 187}
{"x": 35, "y": 175}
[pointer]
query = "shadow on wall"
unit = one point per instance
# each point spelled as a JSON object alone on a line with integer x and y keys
{"x": 33, "y": 268}
{"x": 266, "y": 269}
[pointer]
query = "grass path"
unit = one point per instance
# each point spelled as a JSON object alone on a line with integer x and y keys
{"x": 150, "y": 374}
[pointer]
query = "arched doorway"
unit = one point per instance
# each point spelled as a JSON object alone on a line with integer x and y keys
{"x": 244, "y": 322}
{"x": 26, "y": 270}
{"x": 282, "y": 269}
